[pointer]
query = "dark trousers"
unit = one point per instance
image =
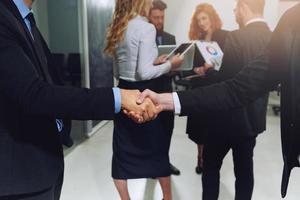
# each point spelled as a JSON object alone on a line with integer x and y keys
{"x": 214, "y": 152}
{"x": 52, "y": 193}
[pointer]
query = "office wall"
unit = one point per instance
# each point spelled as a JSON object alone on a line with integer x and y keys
{"x": 58, "y": 22}
{"x": 179, "y": 13}
{"x": 284, "y": 6}
{"x": 99, "y": 15}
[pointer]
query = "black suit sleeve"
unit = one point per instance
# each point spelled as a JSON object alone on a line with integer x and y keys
{"x": 20, "y": 83}
{"x": 252, "y": 82}
{"x": 244, "y": 88}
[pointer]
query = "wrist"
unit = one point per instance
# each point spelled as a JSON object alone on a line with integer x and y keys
{"x": 166, "y": 101}
{"x": 117, "y": 99}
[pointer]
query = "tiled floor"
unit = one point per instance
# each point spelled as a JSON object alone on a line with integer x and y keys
{"x": 87, "y": 175}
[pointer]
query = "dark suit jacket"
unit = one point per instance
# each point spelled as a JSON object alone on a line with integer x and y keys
{"x": 31, "y": 155}
{"x": 167, "y": 39}
{"x": 279, "y": 63}
{"x": 242, "y": 46}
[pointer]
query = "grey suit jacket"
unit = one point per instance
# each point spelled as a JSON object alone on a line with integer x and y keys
{"x": 167, "y": 39}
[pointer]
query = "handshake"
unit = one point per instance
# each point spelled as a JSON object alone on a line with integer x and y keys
{"x": 145, "y": 106}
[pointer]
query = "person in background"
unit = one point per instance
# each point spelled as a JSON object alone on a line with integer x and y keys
{"x": 157, "y": 18}
{"x": 205, "y": 25}
{"x": 139, "y": 151}
{"x": 237, "y": 129}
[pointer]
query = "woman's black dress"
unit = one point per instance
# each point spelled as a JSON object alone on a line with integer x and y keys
{"x": 140, "y": 150}
{"x": 196, "y": 124}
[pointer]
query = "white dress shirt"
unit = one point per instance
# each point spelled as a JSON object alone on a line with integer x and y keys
{"x": 136, "y": 54}
{"x": 258, "y": 19}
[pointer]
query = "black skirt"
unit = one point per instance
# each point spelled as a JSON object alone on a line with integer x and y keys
{"x": 141, "y": 150}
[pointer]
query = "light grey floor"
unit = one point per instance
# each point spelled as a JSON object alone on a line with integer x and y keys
{"x": 87, "y": 175}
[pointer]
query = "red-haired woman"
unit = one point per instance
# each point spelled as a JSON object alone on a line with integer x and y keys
{"x": 205, "y": 25}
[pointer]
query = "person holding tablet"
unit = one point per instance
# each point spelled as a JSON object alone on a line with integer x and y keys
{"x": 139, "y": 151}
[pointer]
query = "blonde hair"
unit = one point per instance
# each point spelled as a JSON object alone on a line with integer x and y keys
{"x": 125, "y": 10}
{"x": 195, "y": 30}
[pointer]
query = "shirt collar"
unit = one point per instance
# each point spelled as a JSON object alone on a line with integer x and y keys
{"x": 23, "y": 9}
{"x": 259, "y": 19}
{"x": 143, "y": 18}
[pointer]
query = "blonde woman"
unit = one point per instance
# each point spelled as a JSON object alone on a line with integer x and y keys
{"x": 139, "y": 151}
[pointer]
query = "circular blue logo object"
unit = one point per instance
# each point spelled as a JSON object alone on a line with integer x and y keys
{"x": 211, "y": 50}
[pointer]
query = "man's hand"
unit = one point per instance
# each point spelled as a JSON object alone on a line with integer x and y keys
{"x": 151, "y": 103}
{"x": 142, "y": 112}
{"x": 163, "y": 101}
{"x": 203, "y": 69}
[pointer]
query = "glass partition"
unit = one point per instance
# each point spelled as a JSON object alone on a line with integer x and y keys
{"x": 99, "y": 15}
{"x": 75, "y": 32}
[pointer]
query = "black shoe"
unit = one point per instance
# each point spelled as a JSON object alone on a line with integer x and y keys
{"x": 199, "y": 170}
{"x": 174, "y": 170}
{"x": 68, "y": 142}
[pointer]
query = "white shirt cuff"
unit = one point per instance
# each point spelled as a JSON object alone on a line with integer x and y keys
{"x": 177, "y": 104}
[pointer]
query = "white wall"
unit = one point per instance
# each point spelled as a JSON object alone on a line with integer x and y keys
{"x": 283, "y": 6}
{"x": 179, "y": 14}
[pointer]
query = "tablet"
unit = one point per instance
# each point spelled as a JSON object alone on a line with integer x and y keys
{"x": 165, "y": 49}
{"x": 181, "y": 49}
{"x": 188, "y": 51}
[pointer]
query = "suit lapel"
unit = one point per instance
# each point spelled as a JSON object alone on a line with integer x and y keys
{"x": 18, "y": 20}
{"x": 26, "y": 37}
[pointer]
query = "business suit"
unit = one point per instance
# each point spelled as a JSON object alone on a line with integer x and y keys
{"x": 279, "y": 63}
{"x": 31, "y": 154}
{"x": 166, "y": 39}
{"x": 235, "y": 129}
{"x": 244, "y": 45}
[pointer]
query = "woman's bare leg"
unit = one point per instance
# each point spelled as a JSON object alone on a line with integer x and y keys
{"x": 122, "y": 188}
{"x": 200, "y": 155}
{"x": 165, "y": 184}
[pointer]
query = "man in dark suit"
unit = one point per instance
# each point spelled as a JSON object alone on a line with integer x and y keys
{"x": 157, "y": 18}
{"x": 31, "y": 105}
{"x": 277, "y": 64}
{"x": 236, "y": 129}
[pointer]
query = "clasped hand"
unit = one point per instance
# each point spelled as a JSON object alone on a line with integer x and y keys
{"x": 139, "y": 110}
